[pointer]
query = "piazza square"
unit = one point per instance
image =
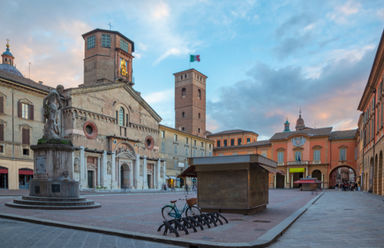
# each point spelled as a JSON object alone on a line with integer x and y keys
{"x": 140, "y": 124}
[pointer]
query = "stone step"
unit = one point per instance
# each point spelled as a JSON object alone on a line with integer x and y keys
{"x": 41, "y": 198}
{"x": 48, "y": 207}
{"x": 53, "y": 203}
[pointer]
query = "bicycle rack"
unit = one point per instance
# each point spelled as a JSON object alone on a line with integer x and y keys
{"x": 192, "y": 222}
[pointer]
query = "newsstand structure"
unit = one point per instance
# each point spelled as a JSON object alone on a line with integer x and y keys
{"x": 233, "y": 184}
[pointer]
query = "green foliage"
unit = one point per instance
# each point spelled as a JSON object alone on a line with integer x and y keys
{"x": 54, "y": 141}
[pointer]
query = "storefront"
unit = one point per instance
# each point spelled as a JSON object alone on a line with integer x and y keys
{"x": 25, "y": 176}
{"x": 295, "y": 175}
{"x": 3, "y": 178}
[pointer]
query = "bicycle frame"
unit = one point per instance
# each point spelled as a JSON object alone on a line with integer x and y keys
{"x": 177, "y": 210}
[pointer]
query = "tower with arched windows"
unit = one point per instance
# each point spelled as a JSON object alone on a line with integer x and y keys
{"x": 190, "y": 102}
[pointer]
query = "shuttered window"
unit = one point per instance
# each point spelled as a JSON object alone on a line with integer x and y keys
{"x": 1, "y": 104}
{"x": 25, "y": 111}
{"x": 25, "y": 136}
{"x": 1, "y": 132}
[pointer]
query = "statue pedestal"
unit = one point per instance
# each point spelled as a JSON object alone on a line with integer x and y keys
{"x": 52, "y": 186}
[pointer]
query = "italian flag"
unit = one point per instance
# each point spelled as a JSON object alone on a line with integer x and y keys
{"x": 193, "y": 58}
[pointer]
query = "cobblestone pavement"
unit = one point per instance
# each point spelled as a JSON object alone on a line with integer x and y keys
{"x": 338, "y": 219}
{"x": 141, "y": 212}
{"x": 17, "y": 234}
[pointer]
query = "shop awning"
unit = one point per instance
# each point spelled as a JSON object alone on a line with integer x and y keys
{"x": 25, "y": 172}
{"x": 3, "y": 171}
{"x": 189, "y": 172}
{"x": 271, "y": 169}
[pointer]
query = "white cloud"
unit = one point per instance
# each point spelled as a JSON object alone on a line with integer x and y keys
{"x": 160, "y": 12}
{"x": 351, "y": 55}
{"x": 174, "y": 51}
{"x": 341, "y": 13}
{"x": 159, "y": 97}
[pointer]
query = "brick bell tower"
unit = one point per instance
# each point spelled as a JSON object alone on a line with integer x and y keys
{"x": 190, "y": 101}
{"x": 107, "y": 57}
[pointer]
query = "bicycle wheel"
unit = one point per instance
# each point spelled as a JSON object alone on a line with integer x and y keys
{"x": 192, "y": 211}
{"x": 168, "y": 212}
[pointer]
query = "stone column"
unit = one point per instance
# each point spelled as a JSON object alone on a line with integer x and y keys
{"x": 145, "y": 183}
{"x": 158, "y": 174}
{"x": 113, "y": 172}
{"x": 137, "y": 171}
{"x": 83, "y": 169}
{"x": 98, "y": 172}
{"x": 104, "y": 169}
{"x": 306, "y": 171}
{"x": 165, "y": 172}
{"x": 130, "y": 175}
{"x": 287, "y": 179}
{"x": 322, "y": 180}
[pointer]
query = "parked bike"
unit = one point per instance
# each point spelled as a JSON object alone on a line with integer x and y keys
{"x": 171, "y": 211}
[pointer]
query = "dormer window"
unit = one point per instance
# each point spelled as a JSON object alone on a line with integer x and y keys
{"x": 106, "y": 40}
{"x": 91, "y": 42}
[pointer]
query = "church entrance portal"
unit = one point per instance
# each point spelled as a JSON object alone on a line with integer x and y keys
{"x": 90, "y": 179}
{"x": 124, "y": 176}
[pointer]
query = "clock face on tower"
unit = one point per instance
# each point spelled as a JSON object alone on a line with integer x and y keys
{"x": 123, "y": 67}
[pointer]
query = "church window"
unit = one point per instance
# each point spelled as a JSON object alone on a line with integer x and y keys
{"x": 199, "y": 93}
{"x": 121, "y": 116}
{"x": 124, "y": 45}
{"x": 149, "y": 142}
{"x": 183, "y": 92}
{"x": 232, "y": 142}
{"x": 105, "y": 40}
{"x": 198, "y": 115}
{"x": 26, "y": 151}
{"x": 298, "y": 156}
{"x": 90, "y": 130}
{"x": 182, "y": 128}
{"x": 183, "y": 114}
{"x": 198, "y": 130}
{"x": 91, "y": 42}
{"x": 343, "y": 154}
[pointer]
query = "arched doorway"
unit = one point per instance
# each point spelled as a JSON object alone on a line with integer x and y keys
{"x": 124, "y": 176}
{"x": 3, "y": 178}
{"x": 370, "y": 183}
{"x": 25, "y": 176}
{"x": 342, "y": 175}
{"x": 316, "y": 174}
{"x": 280, "y": 181}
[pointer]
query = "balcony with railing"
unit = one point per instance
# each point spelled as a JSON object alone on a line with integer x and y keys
{"x": 301, "y": 162}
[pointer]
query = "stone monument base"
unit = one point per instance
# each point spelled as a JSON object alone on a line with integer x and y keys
{"x": 53, "y": 186}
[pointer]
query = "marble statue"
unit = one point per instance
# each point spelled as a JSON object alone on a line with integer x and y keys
{"x": 52, "y": 105}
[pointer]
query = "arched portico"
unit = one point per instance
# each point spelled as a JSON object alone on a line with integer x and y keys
{"x": 342, "y": 174}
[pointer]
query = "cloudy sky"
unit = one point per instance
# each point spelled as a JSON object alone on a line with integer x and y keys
{"x": 264, "y": 59}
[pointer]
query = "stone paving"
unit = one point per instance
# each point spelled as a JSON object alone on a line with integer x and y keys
{"x": 141, "y": 213}
{"x": 19, "y": 234}
{"x": 338, "y": 219}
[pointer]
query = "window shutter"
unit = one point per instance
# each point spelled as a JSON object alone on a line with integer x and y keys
{"x": 1, "y": 104}
{"x": 1, "y": 132}
{"x": 30, "y": 110}
{"x": 19, "y": 109}
{"x": 25, "y": 136}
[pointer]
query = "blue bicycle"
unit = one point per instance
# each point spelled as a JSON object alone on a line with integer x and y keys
{"x": 170, "y": 212}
